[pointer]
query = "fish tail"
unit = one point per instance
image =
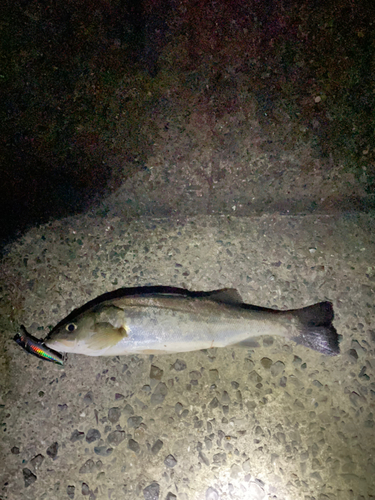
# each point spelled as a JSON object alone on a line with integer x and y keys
{"x": 316, "y": 330}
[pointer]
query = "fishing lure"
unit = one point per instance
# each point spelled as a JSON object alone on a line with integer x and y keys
{"x": 36, "y": 347}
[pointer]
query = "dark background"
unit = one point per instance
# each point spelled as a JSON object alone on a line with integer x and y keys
{"x": 82, "y": 83}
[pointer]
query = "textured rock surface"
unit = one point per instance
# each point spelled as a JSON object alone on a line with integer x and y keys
{"x": 274, "y": 420}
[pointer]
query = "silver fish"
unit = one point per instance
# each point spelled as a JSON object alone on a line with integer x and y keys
{"x": 164, "y": 319}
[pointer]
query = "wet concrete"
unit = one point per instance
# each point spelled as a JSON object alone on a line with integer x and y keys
{"x": 275, "y": 421}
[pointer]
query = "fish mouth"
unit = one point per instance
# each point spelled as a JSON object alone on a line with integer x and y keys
{"x": 60, "y": 345}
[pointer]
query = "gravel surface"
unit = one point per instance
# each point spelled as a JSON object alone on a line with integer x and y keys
{"x": 273, "y": 421}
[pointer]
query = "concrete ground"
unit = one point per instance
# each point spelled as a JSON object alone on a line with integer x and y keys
{"x": 277, "y": 421}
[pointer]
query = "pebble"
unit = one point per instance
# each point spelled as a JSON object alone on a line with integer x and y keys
{"x": 114, "y": 415}
{"x": 298, "y": 404}
{"x": 362, "y": 373}
{"x": 77, "y": 436}
{"x": 92, "y": 435}
{"x": 277, "y": 368}
{"x": 170, "y": 496}
{"x": 352, "y": 355}
{"x": 246, "y": 465}
{"x": 170, "y": 461}
{"x": 316, "y": 476}
{"x": 70, "y": 490}
{"x": 235, "y": 471}
{"x": 249, "y": 364}
{"x": 214, "y": 403}
{"x": 116, "y": 437}
{"x": 179, "y": 365}
{"x": 208, "y": 443}
{"x": 178, "y": 408}
{"x": 225, "y": 399}
{"x": 297, "y": 360}
{"x": 152, "y": 491}
{"x": 258, "y": 431}
{"x": 28, "y": 477}
{"x": 52, "y": 450}
{"x": 134, "y": 422}
{"x": 220, "y": 458}
{"x": 128, "y": 410}
{"x": 203, "y": 458}
{"x": 266, "y": 363}
{"x": 89, "y": 398}
{"x": 37, "y": 461}
{"x": 317, "y": 383}
{"x": 255, "y": 377}
{"x": 85, "y": 489}
{"x": 159, "y": 394}
{"x": 212, "y": 494}
{"x": 296, "y": 381}
{"x": 133, "y": 445}
{"x": 357, "y": 399}
{"x": 103, "y": 450}
{"x": 256, "y": 492}
{"x": 157, "y": 446}
{"x": 358, "y": 347}
{"x": 195, "y": 375}
{"x": 268, "y": 341}
{"x": 156, "y": 373}
{"x": 87, "y": 467}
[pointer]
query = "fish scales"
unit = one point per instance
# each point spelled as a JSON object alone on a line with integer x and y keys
{"x": 178, "y": 324}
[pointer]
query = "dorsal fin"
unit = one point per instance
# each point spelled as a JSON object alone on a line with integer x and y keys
{"x": 226, "y": 295}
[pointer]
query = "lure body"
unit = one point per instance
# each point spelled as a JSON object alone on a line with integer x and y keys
{"x": 36, "y": 347}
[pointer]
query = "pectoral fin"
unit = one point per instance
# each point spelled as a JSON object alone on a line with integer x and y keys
{"x": 113, "y": 315}
{"x": 105, "y": 336}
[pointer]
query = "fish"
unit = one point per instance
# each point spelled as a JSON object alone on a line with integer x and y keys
{"x": 36, "y": 347}
{"x": 162, "y": 319}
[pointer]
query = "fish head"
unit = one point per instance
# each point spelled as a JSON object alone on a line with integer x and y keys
{"x": 91, "y": 333}
{"x": 71, "y": 335}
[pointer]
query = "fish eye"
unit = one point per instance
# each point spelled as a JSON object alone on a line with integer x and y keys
{"x": 71, "y": 327}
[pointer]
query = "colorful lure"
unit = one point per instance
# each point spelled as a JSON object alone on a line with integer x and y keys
{"x": 35, "y": 346}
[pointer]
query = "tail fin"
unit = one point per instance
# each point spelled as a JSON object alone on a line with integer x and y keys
{"x": 316, "y": 329}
